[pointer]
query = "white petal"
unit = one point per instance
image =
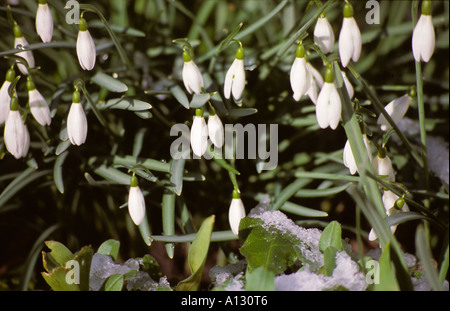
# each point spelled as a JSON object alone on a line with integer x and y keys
{"x": 322, "y": 106}
{"x": 28, "y": 55}
{"x": 357, "y": 41}
{"x": 216, "y": 131}
{"x": 372, "y": 235}
{"x": 348, "y": 85}
{"x": 86, "y": 50}
{"x": 44, "y": 23}
{"x": 192, "y": 78}
{"x": 345, "y": 43}
{"x": 300, "y": 78}
{"x": 423, "y": 39}
{"x": 335, "y": 108}
{"x": 5, "y": 101}
{"x": 39, "y": 107}
{"x": 383, "y": 166}
{"x": 323, "y": 35}
{"x": 396, "y": 109}
{"x": 238, "y": 83}
{"x": 136, "y": 205}
{"x": 388, "y": 199}
{"x": 315, "y": 74}
{"x": 26, "y": 142}
{"x": 235, "y": 214}
{"x": 199, "y": 136}
{"x": 77, "y": 126}
{"x": 14, "y": 134}
{"x": 349, "y": 159}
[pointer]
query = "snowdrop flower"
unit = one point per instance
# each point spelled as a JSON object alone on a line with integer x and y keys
{"x": 396, "y": 109}
{"x": 20, "y": 41}
{"x": 85, "y": 47}
{"x": 38, "y": 105}
{"x": 300, "y": 76}
{"x": 77, "y": 126}
{"x": 5, "y": 99}
{"x": 136, "y": 202}
{"x": 44, "y": 21}
{"x": 328, "y": 107}
{"x": 393, "y": 204}
{"x": 192, "y": 77}
{"x": 215, "y": 129}
{"x": 16, "y": 136}
{"x": 316, "y": 83}
{"x": 382, "y": 165}
{"x": 236, "y": 212}
{"x": 348, "y": 85}
{"x": 323, "y": 35}
{"x": 348, "y": 157}
{"x": 199, "y": 134}
{"x": 235, "y": 77}
{"x": 423, "y": 38}
{"x": 349, "y": 38}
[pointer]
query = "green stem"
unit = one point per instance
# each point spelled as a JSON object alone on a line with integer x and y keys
{"x": 423, "y": 133}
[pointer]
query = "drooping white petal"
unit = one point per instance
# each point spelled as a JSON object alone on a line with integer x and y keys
{"x": 350, "y": 42}
{"x": 348, "y": 85}
{"x": 39, "y": 107}
{"x": 136, "y": 205}
{"x": 15, "y": 135}
{"x": 199, "y": 136}
{"x": 383, "y": 166}
{"x": 349, "y": 159}
{"x": 192, "y": 77}
{"x": 396, "y": 109}
{"x": 77, "y": 126}
{"x": 27, "y": 55}
{"x": 423, "y": 39}
{"x": 5, "y": 100}
{"x": 86, "y": 50}
{"x": 235, "y": 80}
{"x": 235, "y": 214}
{"x": 335, "y": 108}
{"x": 300, "y": 78}
{"x": 328, "y": 107}
{"x": 44, "y": 23}
{"x": 323, "y": 35}
{"x": 215, "y": 130}
{"x": 316, "y": 83}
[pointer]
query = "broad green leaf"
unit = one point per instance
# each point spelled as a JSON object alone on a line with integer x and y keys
{"x": 110, "y": 248}
{"x": 151, "y": 266}
{"x": 114, "y": 283}
{"x": 57, "y": 280}
{"x": 109, "y": 83}
{"x": 180, "y": 96}
{"x": 331, "y": 236}
{"x": 59, "y": 252}
{"x": 329, "y": 261}
{"x": 260, "y": 279}
{"x": 198, "y": 100}
{"x": 197, "y": 255}
{"x": 387, "y": 280}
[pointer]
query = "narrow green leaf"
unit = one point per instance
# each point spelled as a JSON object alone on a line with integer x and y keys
{"x": 168, "y": 218}
{"x": 57, "y": 171}
{"x": 387, "y": 280}
{"x": 110, "y": 248}
{"x": 225, "y": 42}
{"x": 288, "y": 192}
{"x": 112, "y": 174}
{"x": 426, "y": 259}
{"x": 176, "y": 175}
{"x": 316, "y": 193}
{"x": 144, "y": 229}
{"x": 125, "y": 103}
{"x": 109, "y": 83}
{"x": 198, "y": 100}
{"x": 114, "y": 283}
{"x": 218, "y": 158}
{"x": 217, "y": 236}
{"x": 302, "y": 210}
{"x": 180, "y": 96}
{"x": 241, "y": 112}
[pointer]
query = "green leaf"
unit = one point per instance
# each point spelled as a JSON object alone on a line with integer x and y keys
{"x": 176, "y": 175}
{"x": 168, "y": 218}
{"x": 317, "y": 193}
{"x": 242, "y": 112}
{"x": 57, "y": 171}
{"x": 110, "y": 248}
{"x": 329, "y": 261}
{"x": 387, "y": 280}
{"x": 109, "y": 83}
{"x": 260, "y": 279}
{"x": 180, "y": 96}
{"x": 225, "y": 42}
{"x": 198, "y": 100}
{"x": 302, "y": 210}
{"x": 197, "y": 256}
{"x": 125, "y": 103}
{"x": 331, "y": 236}
{"x": 114, "y": 283}
{"x": 288, "y": 192}
{"x": 144, "y": 229}
{"x": 59, "y": 252}
{"x": 426, "y": 259}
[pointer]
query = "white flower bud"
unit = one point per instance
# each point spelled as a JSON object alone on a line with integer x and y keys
{"x": 85, "y": 47}
{"x": 199, "y": 134}
{"x": 323, "y": 35}
{"x": 215, "y": 130}
{"x": 44, "y": 23}
{"x": 235, "y": 77}
{"x": 136, "y": 202}
{"x": 236, "y": 212}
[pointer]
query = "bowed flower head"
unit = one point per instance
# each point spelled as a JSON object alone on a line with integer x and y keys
{"x": 236, "y": 212}
{"x": 323, "y": 35}
{"x": 199, "y": 134}
{"x": 350, "y": 43}
{"x": 20, "y": 41}
{"x": 44, "y": 22}
{"x": 192, "y": 77}
{"x": 328, "y": 107}
{"x": 77, "y": 126}
{"x": 382, "y": 165}
{"x": 5, "y": 99}
{"x": 85, "y": 47}
{"x": 396, "y": 109}
{"x": 349, "y": 158}
{"x": 16, "y": 136}
{"x": 215, "y": 129}
{"x": 38, "y": 105}
{"x": 300, "y": 75}
{"x": 423, "y": 39}
{"x": 235, "y": 77}
{"x": 136, "y": 202}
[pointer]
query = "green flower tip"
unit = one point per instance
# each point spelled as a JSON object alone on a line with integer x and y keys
{"x": 82, "y": 24}
{"x": 240, "y": 53}
{"x": 199, "y": 112}
{"x": 30, "y": 84}
{"x": 348, "y": 10}
{"x": 10, "y": 75}
{"x": 42, "y": 1}
{"x": 76, "y": 97}
{"x": 212, "y": 111}
{"x": 399, "y": 203}
{"x": 186, "y": 56}
{"x": 426, "y": 7}
{"x": 14, "y": 106}
{"x": 17, "y": 31}
{"x": 134, "y": 181}
{"x": 382, "y": 153}
{"x": 329, "y": 75}
{"x": 300, "y": 53}
{"x": 236, "y": 194}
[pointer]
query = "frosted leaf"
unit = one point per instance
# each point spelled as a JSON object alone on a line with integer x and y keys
{"x": 141, "y": 281}
{"x": 228, "y": 277}
{"x": 102, "y": 267}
